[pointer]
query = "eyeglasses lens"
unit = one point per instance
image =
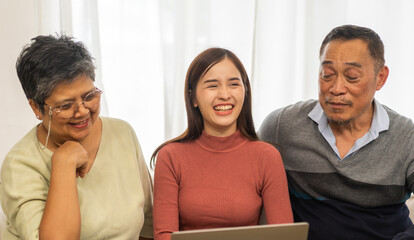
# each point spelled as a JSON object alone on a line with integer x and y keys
{"x": 90, "y": 101}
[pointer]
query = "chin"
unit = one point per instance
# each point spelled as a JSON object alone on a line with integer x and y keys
{"x": 79, "y": 137}
{"x": 339, "y": 121}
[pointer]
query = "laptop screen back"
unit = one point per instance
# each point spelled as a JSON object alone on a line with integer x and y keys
{"x": 289, "y": 231}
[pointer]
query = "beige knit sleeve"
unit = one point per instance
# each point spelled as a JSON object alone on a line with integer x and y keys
{"x": 24, "y": 186}
{"x": 147, "y": 186}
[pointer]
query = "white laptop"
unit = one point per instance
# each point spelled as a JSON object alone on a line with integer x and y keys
{"x": 288, "y": 231}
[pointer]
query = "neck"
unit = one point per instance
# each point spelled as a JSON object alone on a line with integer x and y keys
{"x": 355, "y": 128}
{"x": 43, "y": 135}
{"x": 224, "y": 133}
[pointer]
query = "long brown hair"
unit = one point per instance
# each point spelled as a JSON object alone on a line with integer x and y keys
{"x": 198, "y": 68}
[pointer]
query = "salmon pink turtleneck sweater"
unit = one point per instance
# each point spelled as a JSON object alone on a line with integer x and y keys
{"x": 217, "y": 182}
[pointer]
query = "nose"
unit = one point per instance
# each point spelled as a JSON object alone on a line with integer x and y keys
{"x": 81, "y": 109}
{"x": 338, "y": 86}
{"x": 224, "y": 93}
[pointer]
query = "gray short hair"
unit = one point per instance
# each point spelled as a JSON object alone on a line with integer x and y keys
{"x": 351, "y": 32}
{"x": 49, "y": 61}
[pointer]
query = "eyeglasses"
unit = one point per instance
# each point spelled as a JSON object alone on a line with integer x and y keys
{"x": 68, "y": 110}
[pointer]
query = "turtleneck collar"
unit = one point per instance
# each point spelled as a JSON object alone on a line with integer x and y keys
{"x": 221, "y": 144}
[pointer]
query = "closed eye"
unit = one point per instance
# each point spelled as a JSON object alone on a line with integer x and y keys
{"x": 234, "y": 82}
{"x": 65, "y": 106}
{"x": 90, "y": 96}
{"x": 327, "y": 77}
{"x": 326, "y": 73}
{"x": 352, "y": 79}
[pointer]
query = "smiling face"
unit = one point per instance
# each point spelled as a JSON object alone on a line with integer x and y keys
{"x": 348, "y": 81}
{"x": 78, "y": 127}
{"x": 219, "y": 97}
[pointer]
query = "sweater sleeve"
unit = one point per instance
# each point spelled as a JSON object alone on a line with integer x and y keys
{"x": 146, "y": 182}
{"x": 24, "y": 191}
{"x": 275, "y": 192}
{"x": 269, "y": 129}
{"x": 166, "y": 185}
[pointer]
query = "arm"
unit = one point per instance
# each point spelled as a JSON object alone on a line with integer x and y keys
{"x": 61, "y": 216}
{"x": 147, "y": 231}
{"x": 275, "y": 192}
{"x": 25, "y": 178}
{"x": 409, "y": 232}
{"x": 268, "y": 129}
{"x": 166, "y": 185}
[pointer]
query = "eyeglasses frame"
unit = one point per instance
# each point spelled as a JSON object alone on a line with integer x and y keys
{"x": 57, "y": 109}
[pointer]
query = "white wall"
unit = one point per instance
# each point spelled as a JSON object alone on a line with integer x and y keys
{"x": 287, "y": 37}
{"x": 18, "y": 23}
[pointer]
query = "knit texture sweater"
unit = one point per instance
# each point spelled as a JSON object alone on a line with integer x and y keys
{"x": 361, "y": 197}
{"x": 217, "y": 182}
{"x": 115, "y": 197}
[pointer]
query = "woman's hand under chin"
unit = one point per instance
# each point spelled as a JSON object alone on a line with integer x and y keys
{"x": 72, "y": 154}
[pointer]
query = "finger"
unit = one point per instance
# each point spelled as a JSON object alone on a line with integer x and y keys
{"x": 82, "y": 171}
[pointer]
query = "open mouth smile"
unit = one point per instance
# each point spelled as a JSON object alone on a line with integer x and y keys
{"x": 222, "y": 108}
{"x": 80, "y": 123}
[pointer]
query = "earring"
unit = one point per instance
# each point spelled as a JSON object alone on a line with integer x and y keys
{"x": 37, "y": 116}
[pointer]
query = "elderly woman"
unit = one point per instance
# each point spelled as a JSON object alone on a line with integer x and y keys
{"x": 76, "y": 175}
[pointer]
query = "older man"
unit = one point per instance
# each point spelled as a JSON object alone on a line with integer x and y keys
{"x": 349, "y": 159}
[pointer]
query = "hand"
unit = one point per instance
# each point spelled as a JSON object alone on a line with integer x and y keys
{"x": 72, "y": 154}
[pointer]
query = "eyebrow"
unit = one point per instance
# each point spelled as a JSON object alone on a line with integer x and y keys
{"x": 73, "y": 99}
{"x": 355, "y": 64}
{"x": 215, "y": 80}
{"x": 326, "y": 62}
{"x": 210, "y": 81}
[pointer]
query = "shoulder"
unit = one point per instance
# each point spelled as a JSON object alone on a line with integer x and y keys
{"x": 26, "y": 157}
{"x": 169, "y": 158}
{"x": 23, "y": 149}
{"x": 175, "y": 152}
{"x": 283, "y": 118}
{"x": 302, "y": 108}
{"x": 399, "y": 120}
{"x": 400, "y": 127}
{"x": 176, "y": 148}
{"x": 268, "y": 157}
{"x": 115, "y": 123}
{"x": 117, "y": 127}
{"x": 263, "y": 149}
{"x": 260, "y": 146}
{"x": 291, "y": 110}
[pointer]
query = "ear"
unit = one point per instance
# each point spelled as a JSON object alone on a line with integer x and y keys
{"x": 36, "y": 109}
{"x": 382, "y": 76}
{"x": 195, "y": 104}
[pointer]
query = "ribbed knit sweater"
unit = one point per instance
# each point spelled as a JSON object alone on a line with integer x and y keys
{"x": 361, "y": 197}
{"x": 217, "y": 182}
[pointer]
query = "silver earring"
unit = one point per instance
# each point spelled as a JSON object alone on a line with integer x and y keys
{"x": 38, "y": 117}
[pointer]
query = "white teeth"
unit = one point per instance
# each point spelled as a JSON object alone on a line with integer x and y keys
{"x": 223, "y": 107}
{"x": 79, "y": 123}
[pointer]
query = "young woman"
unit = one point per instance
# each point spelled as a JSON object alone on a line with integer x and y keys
{"x": 217, "y": 173}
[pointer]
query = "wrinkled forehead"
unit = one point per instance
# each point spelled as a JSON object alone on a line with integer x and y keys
{"x": 346, "y": 51}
